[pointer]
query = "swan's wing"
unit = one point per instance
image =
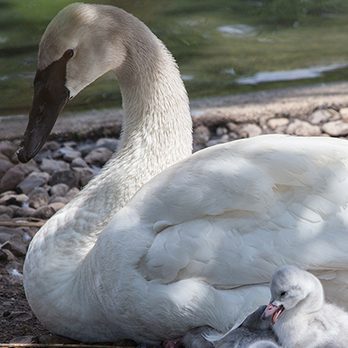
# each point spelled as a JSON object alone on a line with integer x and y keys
{"x": 232, "y": 213}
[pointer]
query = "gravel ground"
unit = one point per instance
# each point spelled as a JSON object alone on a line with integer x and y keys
{"x": 31, "y": 193}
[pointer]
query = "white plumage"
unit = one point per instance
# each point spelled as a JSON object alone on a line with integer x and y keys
{"x": 197, "y": 245}
{"x": 306, "y": 320}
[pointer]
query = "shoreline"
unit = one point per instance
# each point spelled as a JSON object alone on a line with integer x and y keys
{"x": 294, "y": 102}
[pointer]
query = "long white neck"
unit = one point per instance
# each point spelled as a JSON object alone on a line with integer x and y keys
{"x": 156, "y": 134}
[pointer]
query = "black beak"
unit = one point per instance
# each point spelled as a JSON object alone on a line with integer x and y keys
{"x": 50, "y": 97}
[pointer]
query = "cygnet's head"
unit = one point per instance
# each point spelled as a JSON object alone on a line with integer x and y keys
{"x": 293, "y": 289}
{"x": 80, "y": 44}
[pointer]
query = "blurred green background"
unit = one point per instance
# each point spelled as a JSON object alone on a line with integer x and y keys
{"x": 222, "y": 46}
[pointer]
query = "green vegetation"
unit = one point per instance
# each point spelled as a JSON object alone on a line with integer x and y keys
{"x": 285, "y": 35}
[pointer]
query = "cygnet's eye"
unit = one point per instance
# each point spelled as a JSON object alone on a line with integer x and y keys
{"x": 283, "y": 293}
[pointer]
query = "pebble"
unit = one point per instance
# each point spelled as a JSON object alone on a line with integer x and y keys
{"x": 109, "y": 143}
{"x": 321, "y": 116}
{"x": 78, "y": 162}
{"x": 220, "y": 131}
{"x": 33, "y": 180}
{"x": 15, "y": 199}
{"x": 84, "y": 175}
{"x": 7, "y": 148}
{"x": 344, "y": 114}
{"x": 276, "y": 123}
{"x": 5, "y": 210}
{"x": 67, "y": 153}
{"x": 38, "y": 197}
{"x": 59, "y": 190}
{"x": 303, "y": 128}
{"x": 52, "y": 166}
{"x": 249, "y": 130}
{"x": 98, "y": 156}
{"x": 336, "y": 128}
{"x": 23, "y": 211}
{"x": 5, "y": 165}
{"x": 201, "y": 135}
{"x": 44, "y": 212}
{"x": 56, "y": 206}
{"x": 58, "y": 199}
{"x": 51, "y": 145}
{"x": 67, "y": 177}
{"x": 24, "y": 340}
{"x": 13, "y": 177}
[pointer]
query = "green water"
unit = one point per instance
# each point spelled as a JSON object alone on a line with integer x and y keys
{"x": 217, "y": 43}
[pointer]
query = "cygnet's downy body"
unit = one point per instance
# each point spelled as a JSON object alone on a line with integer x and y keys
{"x": 300, "y": 315}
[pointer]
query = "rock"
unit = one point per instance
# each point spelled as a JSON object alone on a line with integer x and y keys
{"x": 72, "y": 193}
{"x": 323, "y": 115}
{"x": 59, "y": 190}
{"x": 232, "y": 127}
{"x": 275, "y": 123}
{"x": 5, "y": 217}
{"x": 249, "y": 130}
{"x": 38, "y": 198}
{"x": 33, "y": 180}
{"x": 344, "y": 114}
{"x": 16, "y": 246}
{"x": 220, "y": 131}
{"x": 109, "y": 143}
{"x": 52, "y": 166}
{"x": 59, "y": 199}
{"x": 78, "y": 163}
{"x": 44, "y": 212}
{"x": 223, "y": 139}
{"x": 51, "y": 145}
{"x": 57, "y": 206}
{"x": 303, "y": 128}
{"x": 85, "y": 149}
{"x": 14, "y": 199}
{"x": 5, "y": 165}
{"x": 21, "y": 316}
{"x": 98, "y": 156}
{"x": 70, "y": 143}
{"x": 336, "y": 128}
{"x": 67, "y": 153}
{"x": 84, "y": 175}
{"x": 14, "y": 176}
{"x": 23, "y": 211}
{"x": 5, "y": 210}
{"x": 43, "y": 154}
{"x": 7, "y": 148}
{"x": 67, "y": 177}
{"x": 52, "y": 339}
{"x": 201, "y": 135}
{"x": 24, "y": 340}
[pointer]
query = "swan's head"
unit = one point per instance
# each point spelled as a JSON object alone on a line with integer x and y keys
{"x": 79, "y": 45}
{"x": 293, "y": 289}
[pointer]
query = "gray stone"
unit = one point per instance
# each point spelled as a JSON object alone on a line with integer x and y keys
{"x": 44, "y": 212}
{"x": 14, "y": 199}
{"x": 7, "y": 148}
{"x": 67, "y": 177}
{"x": 336, "y": 128}
{"x": 232, "y": 127}
{"x": 38, "y": 198}
{"x": 52, "y": 166}
{"x": 109, "y": 143}
{"x": 323, "y": 115}
{"x": 43, "y": 154}
{"x": 98, "y": 156}
{"x": 33, "y": 180}
{"x": 5, "y": 217}
{"x": 59, "y": 199}
{"x": 72, "y": 193}
{"x": 84, "y": 175}
{"x": 59, "y": 190}
{"x": 70, "y": 143}
{"x": 249, "y": 130}
{"x": 276, "y": 123}
{"x": 23, "y": 211}
{"x": 303, "y": 128}
{"x": 67, "y": 153}
{"x": 220, "y": 131}
{"x": 6, "y": 210}
{"x": 224, "y": 139}
{"x": 24, "y": 340}
{"x": 85, "y": 149}
{"x": 201, "y": 135}
{"x": 57, "y": 206}
{"x": 78, "y": 163}
{"x": 52, "y": 145}
{"x": 16, "y": 246}
{"x": 14, "y": 176}
{"x": 5, "y": 165}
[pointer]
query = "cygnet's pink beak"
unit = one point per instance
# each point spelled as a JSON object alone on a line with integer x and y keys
{"x": 274, "y": 311}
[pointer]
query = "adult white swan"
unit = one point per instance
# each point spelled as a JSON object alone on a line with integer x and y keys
{"x": 196, "y": 245}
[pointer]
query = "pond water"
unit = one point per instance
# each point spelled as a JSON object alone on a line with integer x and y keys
{"x": 222, "y": 46}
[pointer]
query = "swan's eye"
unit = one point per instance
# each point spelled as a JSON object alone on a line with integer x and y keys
{"x": 68, "y": 53}
{"x": 283, "y": 293}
